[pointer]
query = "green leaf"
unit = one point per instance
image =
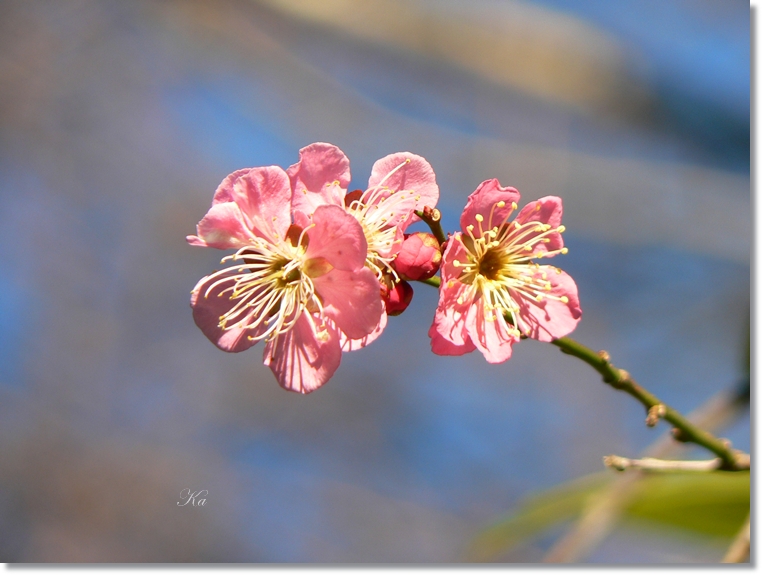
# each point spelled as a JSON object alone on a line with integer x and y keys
{"x": 714, "y": 504}
{"x": 709, "y": 503}
{"x": 535, "y": 516}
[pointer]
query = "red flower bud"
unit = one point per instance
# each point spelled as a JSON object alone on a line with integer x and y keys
{"x": 419, "y": 257}
{"x": 397, "y": 297}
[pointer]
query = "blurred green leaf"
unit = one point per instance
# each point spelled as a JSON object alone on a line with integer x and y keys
{"x": 708, "y": 503}
{"x": 536, "y": 515}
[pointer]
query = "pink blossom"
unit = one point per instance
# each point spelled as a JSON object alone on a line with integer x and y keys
{"x": 492, "y": 292}
{"x": 301, "y": 287}
{"x": 419, "y": 257}
{"x": 399, "y": 184}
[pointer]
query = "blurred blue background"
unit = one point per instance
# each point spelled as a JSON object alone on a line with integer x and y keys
{"x": 119, "y": 119}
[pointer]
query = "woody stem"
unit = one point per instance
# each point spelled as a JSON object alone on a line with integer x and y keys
{"x": 684, "y": 430}
{"x": 433, "y": 219}
{"x": 732, "y": 460}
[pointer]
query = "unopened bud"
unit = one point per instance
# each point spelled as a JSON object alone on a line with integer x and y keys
{"x": 419, "y": 257}
{"x": 396, "y": 297}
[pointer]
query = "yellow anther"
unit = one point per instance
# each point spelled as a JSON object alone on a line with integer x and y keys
{"x": 479, "y": 218}
{"x": 528, "y": 248}
{"x": 514, "y": 205}
{"x": 564, "y": 299}
{"x": 564, "y": 250}
{"x": 561, "y": 229}
{"x": 470, "y": 227}
{"x": 456, "y": 263}
{"x": 451, "y": 283}
{"x": 538, "y": 297}
{"x": 501, "y": 204}
{"x": 460, "y": 301}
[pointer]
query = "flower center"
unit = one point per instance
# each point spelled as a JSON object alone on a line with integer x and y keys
{"x": 491, "y": 264}
{"x": 375, "y": 209}
{"x": 499, "y": 264}
{"x": 270, "y": 286}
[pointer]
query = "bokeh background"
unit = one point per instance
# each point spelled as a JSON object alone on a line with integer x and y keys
{"x": 119, "y": 119}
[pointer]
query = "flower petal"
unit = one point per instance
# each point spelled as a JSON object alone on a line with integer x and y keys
{"x": 301, "y": 359}
{"x": 352, "y": 299}
{"x": 454, "y": 250}
{"x": 348, "y": 344}
{"x": 264, "y": 198}
{"x": 484, "y": 202}
{"x": 547, "y": 210}
{"x": 550, "y": 319}
{"x": 338, "y": 237}
{"x": 442, "y": 346}
{"x": 489, "y": 333}
{"x": 321, "y": 176}
{"x": 405, "y": 174}
{"x": 450, "y": 315}
{"x": 207, "y": 310}
{"x": 223, "y": 227}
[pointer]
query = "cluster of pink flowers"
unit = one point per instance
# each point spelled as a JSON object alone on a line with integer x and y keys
{"x": 318, "y": 268}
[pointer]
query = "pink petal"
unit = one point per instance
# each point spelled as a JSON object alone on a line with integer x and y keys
{"x": 547, "y": 210}
{"x": 223, "y": 227}
{"x": 442, "y": 346}
{"x": 450, "y": 316}
{"x": 484, "y": 201}
{"x": 321, "y": 176}
{"x": 207, "y": 309}
{"x": 264, "y": 198}
{"x": 403, "y": 172}
{"x": 489, "y": 333}
{"x": 348, "y": 344}
{"x": 454, "y": 250}
{"x": 550, "y": 319}
{"x": 302, "y": 360}
{"x": 352, "y": 299}
{"x": 338, "y": 237}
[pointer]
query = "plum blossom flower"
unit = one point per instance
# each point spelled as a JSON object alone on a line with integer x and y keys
{"x": 399, "y": 184}
{"x": 491, "y": 291}
{"x": 298, "y": 283}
